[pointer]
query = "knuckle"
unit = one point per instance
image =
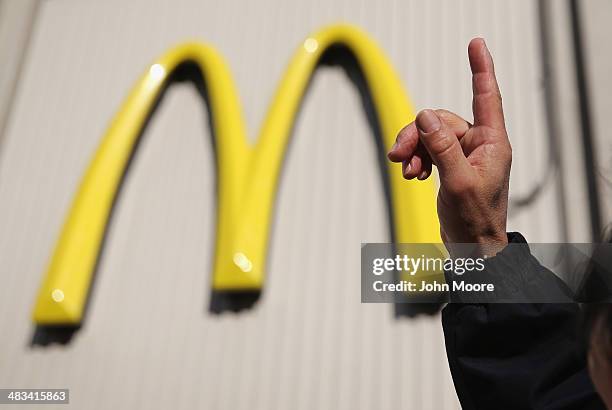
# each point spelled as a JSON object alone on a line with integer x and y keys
{"x": 401, "y": 132}
{"x": 443, "y": 112}
{"x": 447, "y": 115}
{"x": 405, "y": 133}
{"x": 494, "y": 94}
{"x": 507, "y": 152}
{"x": 497, "y": 94}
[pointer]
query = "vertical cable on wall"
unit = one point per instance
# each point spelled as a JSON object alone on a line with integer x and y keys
{"x": 590, "y": 162}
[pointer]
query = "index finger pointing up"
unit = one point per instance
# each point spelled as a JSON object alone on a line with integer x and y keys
{"x": 487, "y": 101}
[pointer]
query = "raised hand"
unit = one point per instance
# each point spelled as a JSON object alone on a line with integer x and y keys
{"x": 473, "y": 160}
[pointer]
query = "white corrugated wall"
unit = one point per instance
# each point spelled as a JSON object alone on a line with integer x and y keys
{"x": 149, "y": 340}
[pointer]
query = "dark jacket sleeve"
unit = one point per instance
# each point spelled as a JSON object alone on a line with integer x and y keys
{"x": 517, "y": 355}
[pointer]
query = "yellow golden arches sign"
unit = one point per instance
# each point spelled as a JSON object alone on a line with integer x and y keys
{"x": 247, "y": 187}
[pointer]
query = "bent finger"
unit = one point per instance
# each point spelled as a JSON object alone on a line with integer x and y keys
{"x": 405, "y": 144}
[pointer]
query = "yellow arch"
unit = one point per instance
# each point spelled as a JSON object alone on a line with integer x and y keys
{"x": 245, "y": 200}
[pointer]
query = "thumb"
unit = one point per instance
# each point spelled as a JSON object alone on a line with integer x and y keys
{"x": 444, "y": 149}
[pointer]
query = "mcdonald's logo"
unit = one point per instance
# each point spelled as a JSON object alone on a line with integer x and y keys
{"x": 246, "y": 188}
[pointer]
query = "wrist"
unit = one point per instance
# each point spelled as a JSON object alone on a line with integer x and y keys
{"x": 478, "y": 246}
{"x": 491, "y": 245}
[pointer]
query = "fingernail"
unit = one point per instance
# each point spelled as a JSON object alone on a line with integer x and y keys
{"x": 394, "y": 147}
{"x": 422, "y": 175}
{"x": 407, "y": 169}
{"x": 428, "y": 121}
